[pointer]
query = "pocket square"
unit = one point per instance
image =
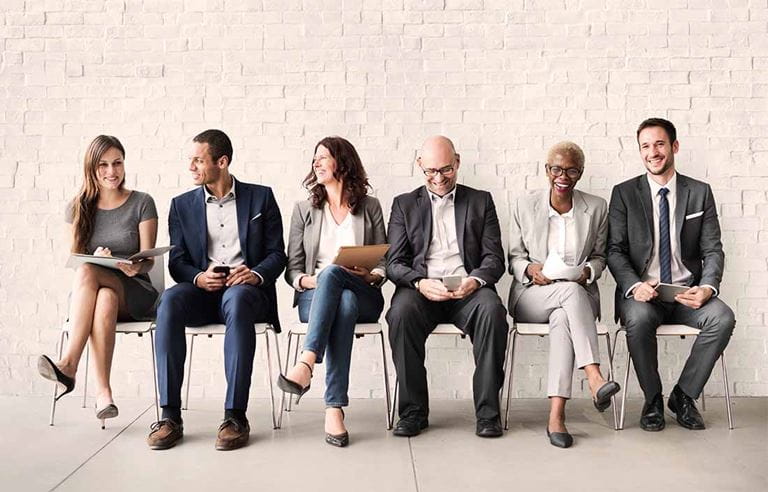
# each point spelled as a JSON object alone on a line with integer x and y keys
{"x": 693, "y": 216}
{"x": 256, "y": 216}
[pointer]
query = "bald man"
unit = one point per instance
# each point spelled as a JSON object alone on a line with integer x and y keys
{"x": 436, "y": 231}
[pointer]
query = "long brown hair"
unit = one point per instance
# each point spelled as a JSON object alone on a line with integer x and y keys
{"x": 349, "y": 170}
{"x": 84, "y": 204}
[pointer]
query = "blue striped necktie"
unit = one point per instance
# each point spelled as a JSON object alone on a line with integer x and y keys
{"x": 665, "y": 250}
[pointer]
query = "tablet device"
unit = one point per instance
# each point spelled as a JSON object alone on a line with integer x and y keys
{"x": 149, "y": 253}
{"x": 360, "y": 256}
{"x": 667, "y": 292}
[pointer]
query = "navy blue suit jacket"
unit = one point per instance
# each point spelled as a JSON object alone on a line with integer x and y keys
{"x": 259, "y": 225}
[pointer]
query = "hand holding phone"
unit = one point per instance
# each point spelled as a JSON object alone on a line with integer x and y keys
{"x": 452, "y": 282}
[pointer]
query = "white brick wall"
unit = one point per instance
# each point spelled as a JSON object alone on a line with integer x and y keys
{"x": 504, "y": 79}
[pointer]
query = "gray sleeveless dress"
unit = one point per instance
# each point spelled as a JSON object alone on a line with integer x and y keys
{"x": 118, "y": 230}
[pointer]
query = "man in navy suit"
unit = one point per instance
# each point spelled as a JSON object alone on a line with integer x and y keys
{"x": 222, "y": 223}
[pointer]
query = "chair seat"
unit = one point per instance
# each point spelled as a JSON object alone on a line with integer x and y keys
{"x": 360, "y": 328}
{"x": 122, "y": 327}
{"x": 676, "y": 330}
{"x": 447, "y": 329}
{"x": 220, "y": 329}
{"x": 542, "y": 329}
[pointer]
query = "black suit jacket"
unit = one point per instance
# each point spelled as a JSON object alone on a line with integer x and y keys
{"x": 259, "y": 226}
{"x": 630, "y": 232}
{"x": 477, "y": 232}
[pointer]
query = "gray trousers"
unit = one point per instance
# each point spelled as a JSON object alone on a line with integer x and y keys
{"x": 570, "y": 312}
{"x": 715, "y": 320}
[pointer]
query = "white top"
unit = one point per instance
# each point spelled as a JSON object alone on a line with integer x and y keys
{"x": 562, "y": 239}
{"x": 333, "y": 235}
{"x": 443, "y": 255}
{"x": 223, "y": 237}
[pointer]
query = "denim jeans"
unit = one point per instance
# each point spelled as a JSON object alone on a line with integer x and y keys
{"x": 340, "y": 300}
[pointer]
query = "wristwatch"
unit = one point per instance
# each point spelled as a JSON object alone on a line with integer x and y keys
{"x": 416, "y": 283}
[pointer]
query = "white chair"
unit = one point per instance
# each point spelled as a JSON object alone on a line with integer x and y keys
{"x": 542, "y": 330}
{"x": 157, "y": 277}
{"x": 219, "y": 329}
{"x": 681, "y": 331}
{"x": 299, "y": 330}
{"x": 450, "y": 329}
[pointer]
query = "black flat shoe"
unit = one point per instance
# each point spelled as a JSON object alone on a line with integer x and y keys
{"x": 560, "y": 439}
{"x": 489, "y": 428}
{"x": 293, "y": 387}
{"x": 602, "y": 399}
{"x": 410, "y": 426}
{"x": 338, "y": 440}
{"x": 51, "y": 372}
{"x": 684, "y": 408}
{"x": 652, "y": 419}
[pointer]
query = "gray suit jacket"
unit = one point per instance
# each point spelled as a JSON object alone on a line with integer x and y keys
{"x": 304, "y": 236}
{"x": 529, "y": 229}
{"x": 630, "y": 232}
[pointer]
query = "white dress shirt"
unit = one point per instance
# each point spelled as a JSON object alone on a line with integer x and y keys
{"x": 562, "y": 239}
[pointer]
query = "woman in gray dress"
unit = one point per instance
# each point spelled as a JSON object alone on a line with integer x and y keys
{"x": 107, "y": 219}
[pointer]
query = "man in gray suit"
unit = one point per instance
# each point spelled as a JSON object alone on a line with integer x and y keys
{"x": 663, "y": 227}
{"x": 438, "y": 230}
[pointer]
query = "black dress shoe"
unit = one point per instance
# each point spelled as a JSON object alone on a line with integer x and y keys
{"x": 652, "y": 419}
{"x": 685, "y": 410}
{"x": 410, "y": 426}
{"x": 602, "y": 399}
{"x": 489, "y": 428}
{"x": 560, "y": 439}
{"x": 48, "y": 369}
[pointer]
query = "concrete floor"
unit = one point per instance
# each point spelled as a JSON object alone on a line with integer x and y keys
{"x": 77, "y": 455}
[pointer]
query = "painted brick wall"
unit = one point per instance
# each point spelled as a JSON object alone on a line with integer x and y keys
{"x": 504, "y": 78}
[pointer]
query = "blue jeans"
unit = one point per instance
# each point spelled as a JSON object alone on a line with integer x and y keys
{"x": 340, "y": 300}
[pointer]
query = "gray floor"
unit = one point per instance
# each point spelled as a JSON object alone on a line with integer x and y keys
{"x": 77, "y": 455}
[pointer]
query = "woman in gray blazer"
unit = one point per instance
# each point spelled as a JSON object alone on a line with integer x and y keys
{"x": 332, "y": 298}
{"x": 556, "y": 254}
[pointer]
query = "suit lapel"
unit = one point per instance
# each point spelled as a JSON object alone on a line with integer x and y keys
{"x": 644, "y": 196}
{"x": 460, "y": 206}
{"x": 681, "y": 206}
{"x": 316, "y": 221}
{"x": 541, "y": 227}
{"x": 243, "y": 198}
{"x": 582, "y": 220}
{"x": 359, "y": 224}
{"x": 425, "y": 209}
{"x": 200, "y": 213}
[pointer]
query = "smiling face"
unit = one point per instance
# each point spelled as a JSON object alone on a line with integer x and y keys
{"x": 563, "y": 184}
{"x": 657, "y": 152}
{"x": 440, "y": 164}
{"x": 324, "y": 166}
{"x": 204, "y": 170}
{"x": 110, "y": 170}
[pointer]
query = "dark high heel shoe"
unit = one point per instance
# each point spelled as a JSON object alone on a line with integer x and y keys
{"x": 108, "y": 412}
{"x": 293, "y": 387}
{"x": 51, "y": 372}
{"x": 602, "y": 399}
{"x": 338, "y": 440}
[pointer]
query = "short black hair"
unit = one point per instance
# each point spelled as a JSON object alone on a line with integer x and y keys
{"x": 218, "y": 142}
{"x": 661, "y": 122}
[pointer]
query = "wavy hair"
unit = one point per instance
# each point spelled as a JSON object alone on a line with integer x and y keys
{"x": 85, "y": 202}
{"x": 349, "y": 170}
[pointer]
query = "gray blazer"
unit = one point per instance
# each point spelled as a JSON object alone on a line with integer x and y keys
{"x": 304, "y": 236}
{"x": 528, "y": 233}
{"x": 630, "y": 236}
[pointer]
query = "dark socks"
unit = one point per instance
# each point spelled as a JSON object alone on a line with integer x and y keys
{"x": 237, "y": 414}
{"x": 172, "y": 413}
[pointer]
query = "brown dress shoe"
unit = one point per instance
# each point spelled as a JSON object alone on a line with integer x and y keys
{"x": 232, "y": 435}
{"x": 165, "y": 434}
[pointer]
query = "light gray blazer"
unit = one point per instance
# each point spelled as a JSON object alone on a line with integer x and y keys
{"x": 528, "y": 232}
{"x": 304, "y": 236}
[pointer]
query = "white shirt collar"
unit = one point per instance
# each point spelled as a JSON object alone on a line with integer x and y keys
{"x": 655, "y": 187}
{"x": 555, "y": 213}
{"x": 434, "y": 197}
{"x": 209, "y": 195}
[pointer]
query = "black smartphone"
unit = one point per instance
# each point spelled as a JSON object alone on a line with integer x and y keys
{"x": 221, "y": 269}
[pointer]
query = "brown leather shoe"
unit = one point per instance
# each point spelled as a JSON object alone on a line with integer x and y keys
{"x": 165, "y": 434}
{"x": 232, "y": 435}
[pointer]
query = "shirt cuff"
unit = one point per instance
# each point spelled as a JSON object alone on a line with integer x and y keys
{"x": 261, "y": 279}
{"x": 194, "y": 280}
{"x": 591, "y": 274}
{"x": 628, "y": 293}
{"x": 714, "y": 291}
{"x": 297, "y": 283}
{"x": 479, "y": 280}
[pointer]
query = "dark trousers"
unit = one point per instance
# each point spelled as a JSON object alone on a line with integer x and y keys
{"x": 412, "y": 317}
{"x": 182, "y": 305}
{"x": 715, "y": 320}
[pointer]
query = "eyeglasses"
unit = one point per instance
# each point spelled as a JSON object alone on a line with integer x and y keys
{"x": 571, "y": 172}
{"x": 445, "y": 171}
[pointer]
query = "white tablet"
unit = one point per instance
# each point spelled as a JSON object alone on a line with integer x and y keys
{"x": 667, "y": 292}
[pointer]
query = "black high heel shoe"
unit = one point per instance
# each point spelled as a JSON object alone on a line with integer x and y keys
{"x": 338, "y": 440}
{"x": 602, "y": 399}
{"x": 293, "y": 387}
{"x": 49, "y": 371}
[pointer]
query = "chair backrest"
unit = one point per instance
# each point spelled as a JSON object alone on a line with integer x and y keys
{"x": 157, "y": 275}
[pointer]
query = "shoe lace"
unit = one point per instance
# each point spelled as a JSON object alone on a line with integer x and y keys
{"x": 233, "y": 422}
{"x": 156, "y": 426}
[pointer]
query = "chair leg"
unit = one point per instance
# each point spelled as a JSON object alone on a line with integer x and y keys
{"x": 504, "y": 368}
{"x": 728, "y": 409}
{"x": 85, "y": 378}
{"x": 295, "y": 360}
{"x": 154, "y": 371}
{"x": 185, "y": 405}
{"x": 269, "y": 373}
{"x": 626, "y": 381}
{"x": 282, "y": 393}
{"x": 511, "y": 370}
{"x": 272, "y": 378}
{"x": 387, "y": 396}
{"x": 610, "y": 378}
{"x": 56, "y": 386}
{"x": 394, "y": 400}
{"x": 703, "y": 402}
